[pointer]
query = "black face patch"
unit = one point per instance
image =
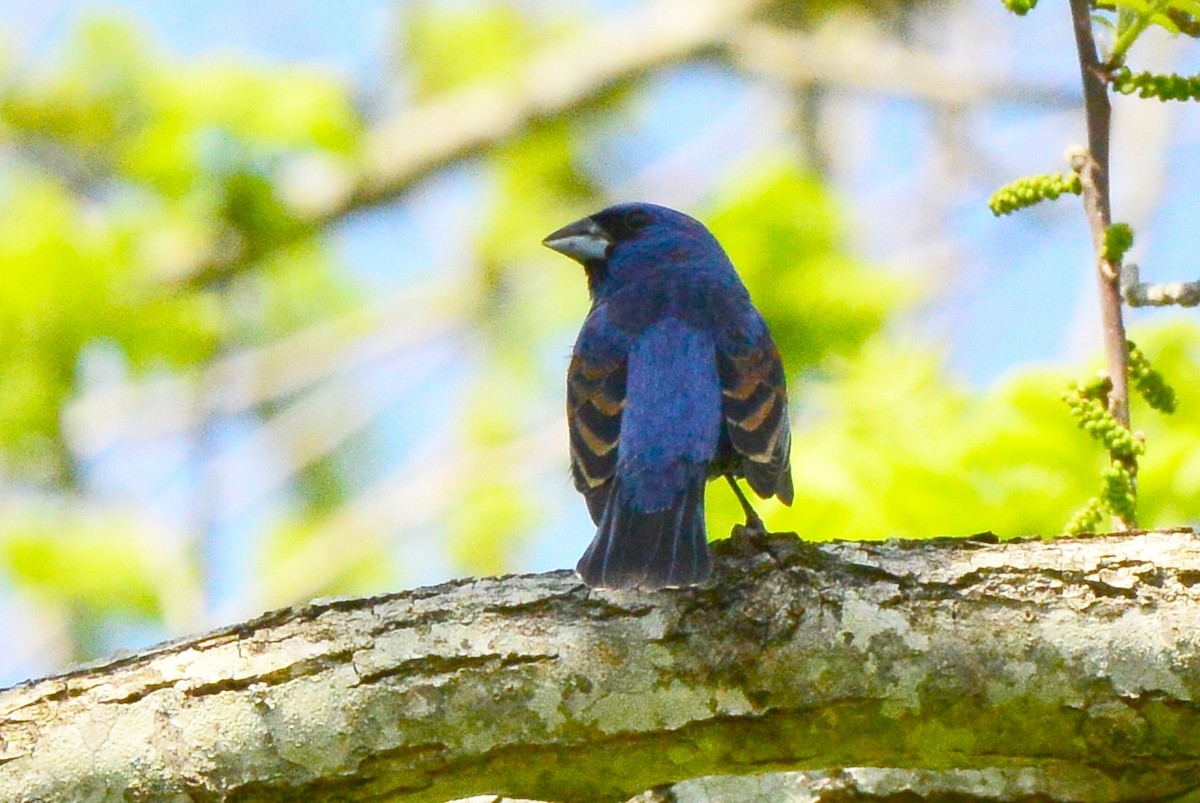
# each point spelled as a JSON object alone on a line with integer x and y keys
{"x": 623, "y": 224}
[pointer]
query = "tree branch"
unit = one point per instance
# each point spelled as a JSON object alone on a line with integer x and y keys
{"x": 880, "y": 784}
{"x": 1077, "y": 659}
{"x": 849, "y": 58}
{"x": 1143, "y": 294}
{"x": 247, "y": 379}
{"x": 1092, "y": 166}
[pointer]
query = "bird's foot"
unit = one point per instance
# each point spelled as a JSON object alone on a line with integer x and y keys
{"x": 753, "y": 532}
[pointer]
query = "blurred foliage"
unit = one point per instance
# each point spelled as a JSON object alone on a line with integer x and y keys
{"x": 785, "y": 234}
{"x": 127, "y": 174}
{"x": 67, "y": 276}
{"x": 891, "y": 446}
{"x": 91, "y": 563}
{"x": 136, "y": 171}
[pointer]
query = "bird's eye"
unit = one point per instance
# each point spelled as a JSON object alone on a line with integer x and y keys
{"x": 636, "y": 219}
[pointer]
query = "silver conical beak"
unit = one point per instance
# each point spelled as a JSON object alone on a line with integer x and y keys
{"x": 583, "y": 241}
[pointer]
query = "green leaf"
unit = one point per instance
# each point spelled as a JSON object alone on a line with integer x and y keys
{"x": 1020, "y": 7}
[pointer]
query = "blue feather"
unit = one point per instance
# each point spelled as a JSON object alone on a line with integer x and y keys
{"x": 674, "y": 379}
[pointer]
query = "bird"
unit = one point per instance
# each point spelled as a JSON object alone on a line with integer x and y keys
{"x": 674, "y": 380}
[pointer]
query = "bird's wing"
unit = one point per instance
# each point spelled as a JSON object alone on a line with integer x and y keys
{"x": 754, "y": 395}
{"x": 595, "y": 399}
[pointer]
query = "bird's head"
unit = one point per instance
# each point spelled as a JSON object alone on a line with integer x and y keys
{"x": 625, "y": 242}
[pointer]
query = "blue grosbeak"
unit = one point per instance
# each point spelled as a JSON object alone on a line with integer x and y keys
{"x": 674, "y": 380}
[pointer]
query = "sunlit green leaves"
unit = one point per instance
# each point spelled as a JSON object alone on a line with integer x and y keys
{"x": 1133, "y": 17}
{"x": 870, "y": 449}
{"x": 890, "y": 446}
{"x": 784, "y": 233}
{"x": 1169, "y": 473}
{"x": 88, "y": 109}
{"x": 131, "y": 174}
{"x": 496, "y": 516}
{"x": 1020, "y": 7}
{"x": 1164, "y": 13}
{"x": 115, "y": 103}
{"x": 67, "y": 276}
{"x": 812, "y": 12}
{"x": 150, "y": 169}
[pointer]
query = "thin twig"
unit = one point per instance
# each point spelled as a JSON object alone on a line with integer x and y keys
{"x": 1092, "y": 166}
{"x": 1144, "y": 294}
{"x": 849, "y": 58}
{"x": 282, "y": 370}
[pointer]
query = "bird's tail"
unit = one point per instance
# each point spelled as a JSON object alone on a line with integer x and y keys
{"x": 636, "y": 549}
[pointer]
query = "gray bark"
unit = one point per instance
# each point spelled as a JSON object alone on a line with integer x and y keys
{"x": 1067, "y": 669}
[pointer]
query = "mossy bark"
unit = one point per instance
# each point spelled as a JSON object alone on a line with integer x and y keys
{"x": 1074, "y": 663}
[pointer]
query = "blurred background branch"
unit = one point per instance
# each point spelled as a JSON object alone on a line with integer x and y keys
{"x": 400, "y": 151}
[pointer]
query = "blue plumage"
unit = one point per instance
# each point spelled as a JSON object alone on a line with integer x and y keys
{"x": 674, "y": 379}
